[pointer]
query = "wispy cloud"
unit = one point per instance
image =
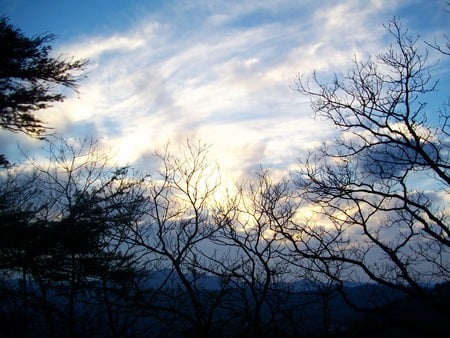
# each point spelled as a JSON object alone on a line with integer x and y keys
{"x": 99, "y": 46}
{"x": 221, "y": 73}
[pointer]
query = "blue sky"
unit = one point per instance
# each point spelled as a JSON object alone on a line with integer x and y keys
{"x": 220, "y": 72}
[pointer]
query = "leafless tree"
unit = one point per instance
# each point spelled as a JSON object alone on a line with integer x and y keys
{"x": 252, "y": 254}
{"x": 443, "y": 48}
{"x": 174, "y": 235}
{"x": 381, "y": 188}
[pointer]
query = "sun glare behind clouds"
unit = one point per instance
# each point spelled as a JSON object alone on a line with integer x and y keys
{"x": 219, "y": 73}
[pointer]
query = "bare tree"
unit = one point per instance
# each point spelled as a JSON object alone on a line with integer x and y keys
{"x": 252, "y": 259}
{"x": 173, "y": 238}
{"x": 443, "y": 48}
{"x": 381, "y": 188}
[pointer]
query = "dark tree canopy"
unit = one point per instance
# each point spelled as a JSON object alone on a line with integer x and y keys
{"x": 28, "y": 77}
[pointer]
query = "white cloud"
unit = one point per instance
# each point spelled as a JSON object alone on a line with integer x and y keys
{"x": 98, "y": 46}
{"x": 227, "y": 85}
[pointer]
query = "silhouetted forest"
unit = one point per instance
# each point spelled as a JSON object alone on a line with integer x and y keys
{"x": 349, "y": 245}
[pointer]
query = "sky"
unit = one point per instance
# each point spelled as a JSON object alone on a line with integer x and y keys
{"x": 217, "y": 72}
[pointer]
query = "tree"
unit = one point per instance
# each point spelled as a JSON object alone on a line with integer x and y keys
{"x": 172, "y": 238}
{"x": 442, "y": 48}
{"x": 29, "y": 77}
{"x": 381, "y": 188}
{"x": 252, "y": 259}
{"x": 89, "y": 209}
{"x": 68, "y": 244}
{"x": 17, "y": 251}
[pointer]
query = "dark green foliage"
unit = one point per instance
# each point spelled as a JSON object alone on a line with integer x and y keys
{"x": 28, "y": 76}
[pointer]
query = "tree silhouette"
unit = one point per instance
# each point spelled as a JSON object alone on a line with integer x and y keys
{"x": 29, "y": 77}
{"x": 69, "y": 247}
{"x": 252, "y": 259}
{"x": 18, "y": 241}
{"x": 382, "y": 187}
{"x": 172, "y": 236}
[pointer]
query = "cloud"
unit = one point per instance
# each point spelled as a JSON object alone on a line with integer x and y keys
{"x": 99, "y": 46}
{"x": 221, "y": 73}
{"x": 385, "y": 161}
